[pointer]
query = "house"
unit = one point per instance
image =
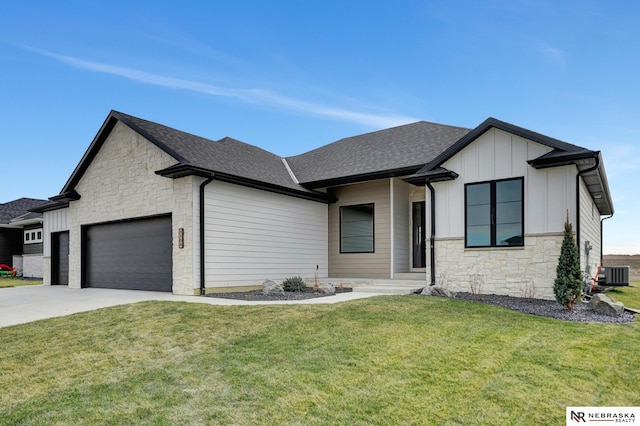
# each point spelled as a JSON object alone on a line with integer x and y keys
{"x": 150, "y": 207}
{"x": 21, "y": 236}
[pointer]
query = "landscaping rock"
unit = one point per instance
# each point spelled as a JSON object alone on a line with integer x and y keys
{"x": 326, "y": 288}
{"x": 270, "y": 287}
{"x": 603, "y": 304}
{"x": 436, "y": 291}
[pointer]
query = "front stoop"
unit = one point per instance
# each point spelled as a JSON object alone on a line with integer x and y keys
{"x": 387, "y": 289}
{"x": 395, "y": 286}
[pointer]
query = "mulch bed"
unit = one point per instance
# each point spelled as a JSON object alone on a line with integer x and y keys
{"x": 257, "y": 295}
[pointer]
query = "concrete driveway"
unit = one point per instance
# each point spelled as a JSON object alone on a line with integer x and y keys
{"x": 19, "y": 305}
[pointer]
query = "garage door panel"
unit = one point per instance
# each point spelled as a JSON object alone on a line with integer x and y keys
{"x": 133, "y": 255}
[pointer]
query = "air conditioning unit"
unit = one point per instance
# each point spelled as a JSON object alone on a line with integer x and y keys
{"x": 614, "y": 276}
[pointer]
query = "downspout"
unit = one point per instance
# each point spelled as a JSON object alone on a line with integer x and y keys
{"x": 432, "y": 238}
{"x": 601, "y": 243}
{"x": 202, "y": 276}
{"x": 580, "y": 173}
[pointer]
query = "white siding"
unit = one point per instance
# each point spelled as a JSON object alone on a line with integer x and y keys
{"x": 251, "y": 235}
{"x": 401, "y": 232}
{"x": 589, "y": 230}
{"x": 54, "y": 221}
{"x": 549, "y": 193}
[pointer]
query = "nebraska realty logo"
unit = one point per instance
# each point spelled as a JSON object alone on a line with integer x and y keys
{"x": 602, "y": 415}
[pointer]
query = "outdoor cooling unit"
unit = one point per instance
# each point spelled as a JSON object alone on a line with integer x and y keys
{"x": 614, "y": 276}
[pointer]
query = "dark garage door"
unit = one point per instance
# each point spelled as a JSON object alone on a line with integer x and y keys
{"x": 134, "y": 255}
{"x": 60, "y": 258}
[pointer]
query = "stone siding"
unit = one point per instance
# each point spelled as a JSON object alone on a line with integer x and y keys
{"x": 520, "y": 272}
{"x": 32, "y": 266}
{"x": 121, "y": 184}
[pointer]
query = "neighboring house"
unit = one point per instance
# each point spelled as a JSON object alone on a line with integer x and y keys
{"x": 21, "y": 236}
{"x": 151, "y": 207}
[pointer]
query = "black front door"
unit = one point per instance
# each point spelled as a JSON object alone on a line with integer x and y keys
{"x": 419, "y": 239}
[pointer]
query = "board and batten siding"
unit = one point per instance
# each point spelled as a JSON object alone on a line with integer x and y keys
{"x": 53, "y": 221}
{"x": 589, "y": 230}
{"x": 252, "y": 235}
{"x": 548, "y": 193}
{"x": 362, "y": 265}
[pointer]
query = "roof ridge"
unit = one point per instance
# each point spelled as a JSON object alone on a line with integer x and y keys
{"x": 293, "y": 176}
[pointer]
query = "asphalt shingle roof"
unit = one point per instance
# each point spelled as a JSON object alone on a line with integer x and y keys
{"x": 412, "y": 149}
{"x": 227, "y": 155}
{"x": 19, "y": 207}
{"x": 410, "y": 145}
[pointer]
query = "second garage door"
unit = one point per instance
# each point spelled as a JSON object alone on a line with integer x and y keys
{"x": 134, "y": 255}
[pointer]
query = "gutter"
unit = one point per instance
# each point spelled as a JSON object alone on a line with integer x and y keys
{"x": 601, "y": 244}
{"x": 202, "y": 275}
{"x": 432, "y": 238}
{"x": 580, "y": 173}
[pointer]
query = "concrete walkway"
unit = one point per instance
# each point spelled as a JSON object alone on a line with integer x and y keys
{"x": 19, "y": 305}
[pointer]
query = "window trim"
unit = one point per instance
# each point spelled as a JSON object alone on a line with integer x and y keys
{"x": 373, "y": 227}
{"x": 492, "y": 206}
{"x": 28, "y": 233}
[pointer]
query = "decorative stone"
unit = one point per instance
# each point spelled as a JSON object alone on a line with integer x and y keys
{"x": 326, "y": 288}
{"x": 271, "y": 287}
{"x": 603, "y": 304}
{"x": 436, "y": 291}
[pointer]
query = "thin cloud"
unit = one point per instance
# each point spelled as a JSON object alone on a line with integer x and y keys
{"x": 554, "y": 54}
{"x": 252, "y": 96}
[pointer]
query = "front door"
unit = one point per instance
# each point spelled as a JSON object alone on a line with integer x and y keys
{"x": 418, "y": 235}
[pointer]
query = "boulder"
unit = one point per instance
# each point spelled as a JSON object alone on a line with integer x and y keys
{"x": 436, "y": 291}
{"x": 271, "y": 287}
{"x": 603, "y": 304}
{"x": 326, "y": 288}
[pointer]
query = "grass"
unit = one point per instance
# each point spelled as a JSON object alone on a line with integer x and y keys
{"x": 17, "y": 282}
{"x": 384, "y": 360}
{"x": 629, "y": 296}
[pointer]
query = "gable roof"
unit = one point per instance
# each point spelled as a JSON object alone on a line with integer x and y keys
{"x": 227, "y": 159}
{"x": 417, "y": 149}
{"x": 17, "y": 208}
{"x": 589, "y": 163}
{"x": 397, "y": 151}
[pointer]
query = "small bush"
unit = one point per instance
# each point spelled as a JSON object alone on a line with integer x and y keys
{"x": 294, "y": 284}
{"x": 568, "y": 282}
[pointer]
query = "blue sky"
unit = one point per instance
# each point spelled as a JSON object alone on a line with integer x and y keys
{"x": 289, "y": 76}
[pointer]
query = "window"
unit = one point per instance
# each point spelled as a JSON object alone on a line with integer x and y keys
{"x": 32, "y": 236}
{"x": 356, "y": 229}
{"x": 494, "y": 213}
{"x": 419, "y": 235}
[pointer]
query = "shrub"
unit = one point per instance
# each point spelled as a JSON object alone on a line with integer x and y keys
{"x": 294, "y": 284}
{"x": 568, "y": 282}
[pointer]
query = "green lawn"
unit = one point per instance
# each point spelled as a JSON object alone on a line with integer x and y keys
{"x": 630, "y": 296}
{"x": 385, "y": 360}
{"x": 17, "y": 282}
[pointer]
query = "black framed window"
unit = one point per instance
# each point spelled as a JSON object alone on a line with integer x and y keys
{"x": 494, "y": 213}
{"x": 356, "y": 229}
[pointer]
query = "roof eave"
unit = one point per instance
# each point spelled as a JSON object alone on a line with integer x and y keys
{"x": 182, "y": 170}
{"x": 56, "y": 205}
{"x": 66, "y": 196}
{"x": 438, "y": 175}
{"x": 362, "y": 177}
{"x": 26, "y": 222}
{"x": 595, "y": 180}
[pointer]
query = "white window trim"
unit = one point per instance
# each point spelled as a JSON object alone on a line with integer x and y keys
{"x": 31, "y": 236}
